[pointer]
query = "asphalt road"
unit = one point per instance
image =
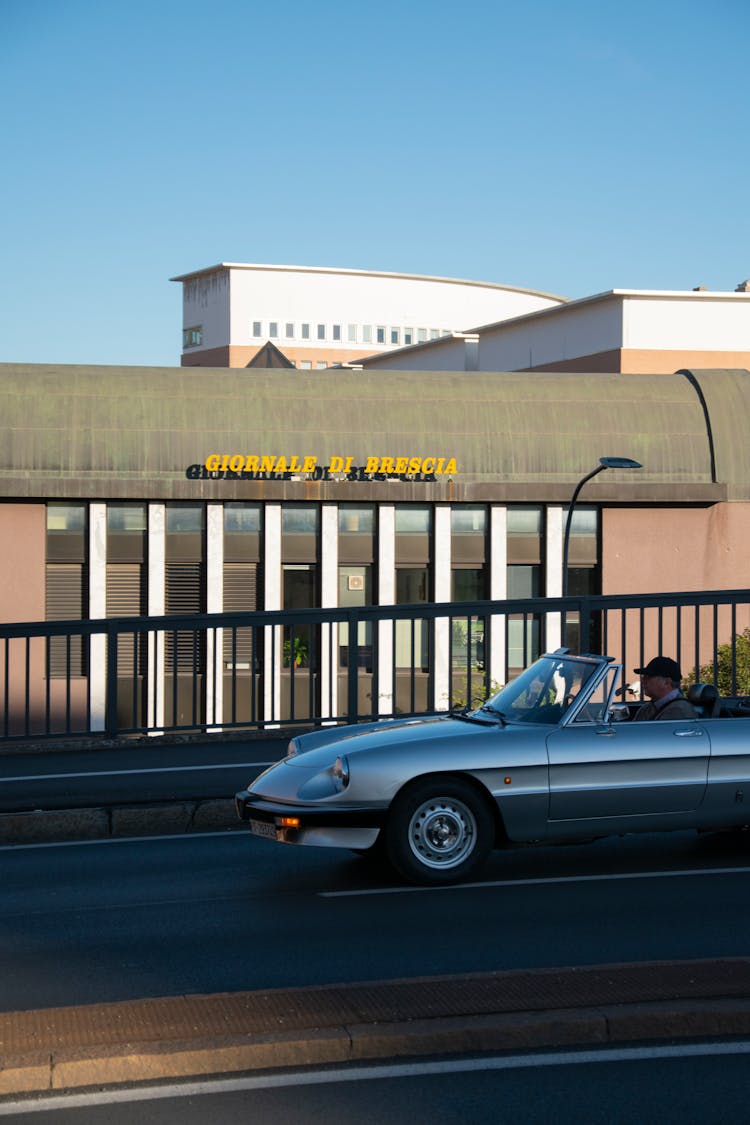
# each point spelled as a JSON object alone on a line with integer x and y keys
{"x": 158, "y": 770}
{"x": 691, "y": 1085}
{"x": 120, "y": 919}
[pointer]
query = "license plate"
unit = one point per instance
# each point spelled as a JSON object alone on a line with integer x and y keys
{"x": 261, "y": 828}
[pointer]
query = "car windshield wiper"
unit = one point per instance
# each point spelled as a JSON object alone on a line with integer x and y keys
{"x": 494, "y": 711}
{"x": 465, "y": 715}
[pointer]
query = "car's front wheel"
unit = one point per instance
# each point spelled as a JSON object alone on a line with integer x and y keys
{"x": 439, "y": 831}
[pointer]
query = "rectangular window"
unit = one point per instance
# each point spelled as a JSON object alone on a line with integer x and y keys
{"x": 408, "y": 336}
{"x": 468, "y": 520}
{"x": 185, "y": 518}
{"x": 336, "y": 331}
{"x": 192, "y": 337}
{"x": 412, "y": 585}
{"x": 421, "y": 335}
{"x": 321, "y": 365}
{"x": 366, "y": 333}
{"x": 380, "y": 334}
{"x": 321, "y": 331}
{"x": 290, "y": 331}
{"x": 126, "y": 517}
{"x": 239, "y": 517}
{"x": 434, "y": 333}
{"x": 305, "y": 331}
{"x": 412, "y": 518}
{"x": 355, "y": 520}
{"x": 273, "y": 329}
{"x": 299, "y": 519}
{"x": 305, "y": 365}
{"x": 352, "y": 333}
{"x": 355, "y": 589}
{"x": 257, "y": 329}
{"x": 395, "y": 336}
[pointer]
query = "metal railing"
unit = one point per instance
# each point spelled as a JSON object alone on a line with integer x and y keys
{"x": 242, "y": 671}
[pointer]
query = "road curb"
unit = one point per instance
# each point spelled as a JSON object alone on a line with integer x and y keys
{"x": 162, "y": 818}
{"x": 177, "y": 1037}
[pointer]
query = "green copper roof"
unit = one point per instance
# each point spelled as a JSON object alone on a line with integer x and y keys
{"x": 116, "y": 432}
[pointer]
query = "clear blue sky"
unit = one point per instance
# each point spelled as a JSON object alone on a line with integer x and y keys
{"x": 568, "y": 147}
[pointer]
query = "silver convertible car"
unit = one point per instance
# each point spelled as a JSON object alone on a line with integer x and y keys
{"x": 551, "y": 758}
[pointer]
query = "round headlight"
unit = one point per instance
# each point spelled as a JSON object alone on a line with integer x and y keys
{"x": 340, "y": 774}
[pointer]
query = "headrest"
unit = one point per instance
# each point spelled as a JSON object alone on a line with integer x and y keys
{"x": 702, "y": 695}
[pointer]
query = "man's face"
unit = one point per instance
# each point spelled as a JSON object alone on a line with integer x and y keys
{"x": 655, "y": 687}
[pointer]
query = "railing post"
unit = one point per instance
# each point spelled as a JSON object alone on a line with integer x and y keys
{"x": 352, "y": 669}
{"x": 584, "y": 624}
{"x": 110, "y": 705}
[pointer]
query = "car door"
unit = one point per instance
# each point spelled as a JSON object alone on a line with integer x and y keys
{"x": 601, "y": 770}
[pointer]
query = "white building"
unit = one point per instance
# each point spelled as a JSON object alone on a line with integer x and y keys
{"x": 319, "y": 317}
{"x": 622, "y": 330}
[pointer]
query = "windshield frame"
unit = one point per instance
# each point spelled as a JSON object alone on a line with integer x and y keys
{"x": 549, "y": 690}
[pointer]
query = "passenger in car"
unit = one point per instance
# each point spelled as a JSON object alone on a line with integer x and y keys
{"x": 660, "y": 681}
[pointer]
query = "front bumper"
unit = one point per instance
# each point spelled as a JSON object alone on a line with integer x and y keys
{"x": 314, "y": 825}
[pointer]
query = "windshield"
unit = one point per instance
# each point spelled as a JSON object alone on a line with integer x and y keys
{"x": 544, "y": 691}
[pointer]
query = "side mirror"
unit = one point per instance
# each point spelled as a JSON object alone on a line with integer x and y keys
{"x": 620, "y": 713}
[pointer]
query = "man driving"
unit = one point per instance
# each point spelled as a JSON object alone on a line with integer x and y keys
{"x": 660, "y": 681}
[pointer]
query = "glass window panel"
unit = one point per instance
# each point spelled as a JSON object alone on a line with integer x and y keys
{"x": 126, "y": 517}
{"x": 188, "y": 517}
{"x": 299, "y": 519}
{"x": 352, "y": 333}
{"x": 412, "y": 585}
{"x": 395, "y": 334}
{"x": 413, "y": 518}
{"x": 584, "y": 522}
{"x": 299, "y": 587}
{"x": 380, "y": 334}
{"x": 524, "y": 521}
{"x": 468, "y": 585}
{"x": 66, "y": 517}
{"x": 367, "y": 334}
{"x": 305, "y": 331}
{"x": 305, "y": 365}
{"x": 290, "y": 331}
{"x": 408, "y": 335}
{"x": 468, "y": 520}
{"x": 273, "y": 329}
{"x": 321, "y": 331}
{"x": 355, "y": 520}
{"x": 256, "y": 328}
{"x": 241, "y": 517}
{"x": 524, "y": 581}
{"x": 336, "y": 331}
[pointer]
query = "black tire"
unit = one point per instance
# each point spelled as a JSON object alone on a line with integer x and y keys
{"x": 439, "y": 831}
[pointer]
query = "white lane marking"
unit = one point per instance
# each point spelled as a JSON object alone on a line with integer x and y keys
{"x": 542, "y": 881}
{"x": 127, "y": 773}
{"x": 359, "y": 1073}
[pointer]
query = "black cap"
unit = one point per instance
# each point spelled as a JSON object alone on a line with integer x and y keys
{"x": 661, "y": 666}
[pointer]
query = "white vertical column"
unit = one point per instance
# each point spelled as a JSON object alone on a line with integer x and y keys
{"x": 214, "y": 604}
{"x": 329, "y": 599}
{"x": 554, "y": 586}
{"x": 98, "y": 670}
{"x": 273, "y": 640}
{"x": 498, "y": 590}
{"x": 157, "y": 601}
{"x": 386, "y": 596}
{"x": 442, "y": 572}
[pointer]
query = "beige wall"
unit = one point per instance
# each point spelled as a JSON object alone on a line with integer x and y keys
{"x": 658, "y": 550}
{"x": 23, "y": 531}
{"x": 667, "y": 550}
{"x": 648, "y": 361}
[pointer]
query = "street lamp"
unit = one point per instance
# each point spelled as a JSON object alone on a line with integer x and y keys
{"x": 604, "y": 463}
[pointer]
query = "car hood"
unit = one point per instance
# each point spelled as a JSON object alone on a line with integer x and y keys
{"x": 385, "y": 736}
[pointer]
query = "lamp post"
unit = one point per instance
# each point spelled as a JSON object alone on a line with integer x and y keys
{"x": 604, "y": 463}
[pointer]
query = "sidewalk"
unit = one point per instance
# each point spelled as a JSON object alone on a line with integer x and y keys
{"x": 186, "y": 1036}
